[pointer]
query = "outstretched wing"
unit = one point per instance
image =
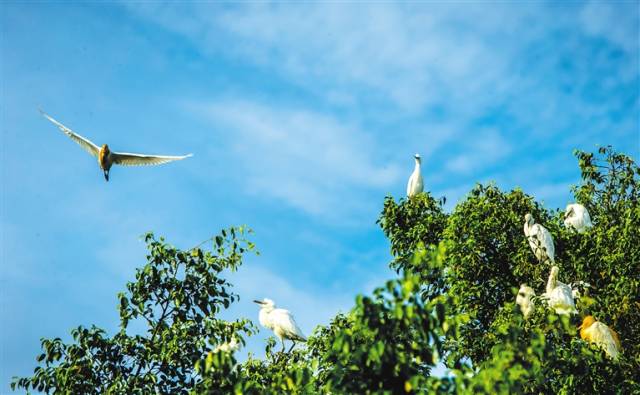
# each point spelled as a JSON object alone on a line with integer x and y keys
{"x": 85, "y": 143}
{"x": 127, "y": 159}
{"x": 284, "y": 319}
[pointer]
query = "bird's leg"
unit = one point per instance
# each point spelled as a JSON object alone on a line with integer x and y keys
{"x": 292, "y": 346}
{"x": 282, "y": 345}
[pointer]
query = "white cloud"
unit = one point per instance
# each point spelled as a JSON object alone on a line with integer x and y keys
{"x": 397, "y": 57}
{"x": 426, "y": 65}
{"x": 615, "y": 21}
{"x": 481, "y": 149}
{"x": 435, "y": 70}
{"x": 403, "y": 55}
{"x": 551, "y": 192}
{"x": 311, "y": 161}
{"x": 460, "y": 164}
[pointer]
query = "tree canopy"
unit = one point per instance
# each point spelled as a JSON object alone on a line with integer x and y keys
{"x": 451, "y": 304}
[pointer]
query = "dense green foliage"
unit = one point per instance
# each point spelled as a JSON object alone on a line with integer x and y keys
{"x": 452, "y": 303}
{"x": 175, "y": 298}
{"x": 488, "y": 257}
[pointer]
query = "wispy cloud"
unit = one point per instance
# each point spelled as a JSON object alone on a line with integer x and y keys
{"x": 479, "y": 150}
{"x": 312, "y": 161}
{"x": 301, "y": 117}
{"x": 402, "y": 55}
{"x": 551, "y": 191}
{"x": 613, "y": 21}
{"x": 532, "y": 73}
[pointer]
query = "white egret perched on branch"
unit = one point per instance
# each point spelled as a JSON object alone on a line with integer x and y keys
{"x": 106, "y": 157}
{"x": 600, "y": 334}
{"x": 415, "y": 184}
{"x": 230, "y": 346}
{"x": 280, "y": 321}
{"x": 577, "y": 217}
{"x": 525, "y": 300}
{"x": 540, "y": 240}
{"x": 559, "y": 295}
{"x": 575, "y": 288}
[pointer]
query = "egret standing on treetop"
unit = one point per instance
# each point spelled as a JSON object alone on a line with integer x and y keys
{"x": 525, "y": 300}
{"x": 559, "y": 295}
{"x": 106, "y": 157}
{"x": 415, "y": 184}
{"x": 540, "y": 240}
{"x": 577, "y": 217}
{"x": 596, "y": 332}
{"x": 280, "y": 321}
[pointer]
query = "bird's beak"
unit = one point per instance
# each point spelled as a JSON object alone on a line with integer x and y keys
{"x": 258, "y": 302}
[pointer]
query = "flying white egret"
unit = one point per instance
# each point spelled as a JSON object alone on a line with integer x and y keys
{"x": 106, "y": 157}
{"x": 606, "y": 338}
{"x": 525, "y": 300}
{"x": 415, "y": 184}
{"x": 559, "y": 295}
{"x": 540, "y": 240}
{"x": 577, "y": 217}
{"x": 280, "y": 321}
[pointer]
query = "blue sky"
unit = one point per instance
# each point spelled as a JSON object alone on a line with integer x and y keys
{"x": 301, "y": 118}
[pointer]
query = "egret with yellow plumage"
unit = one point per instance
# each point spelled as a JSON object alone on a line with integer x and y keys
{"x": 600, "y": 334}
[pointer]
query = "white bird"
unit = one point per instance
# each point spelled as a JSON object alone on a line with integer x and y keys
{"x": 559, "y": 295}
{"x": 415, "y": 184}
{"x": 577, "y": 217}
{"x": 525, "y": 299}
{"x": 230, "y": 346}
{"x": 540, "y": 240}
{"x": 606, "y": 338}
{"x": 280, "y": 321}
{"x": 575, "y": 288}
{"x": 106, "y": 157}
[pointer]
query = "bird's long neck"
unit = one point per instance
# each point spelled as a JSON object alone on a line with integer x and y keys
{"x": 583, "y": 332}
{"x": 416, "y": 168}
{"x": 584, "y": 327}
{"x": 263, "y": 317}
